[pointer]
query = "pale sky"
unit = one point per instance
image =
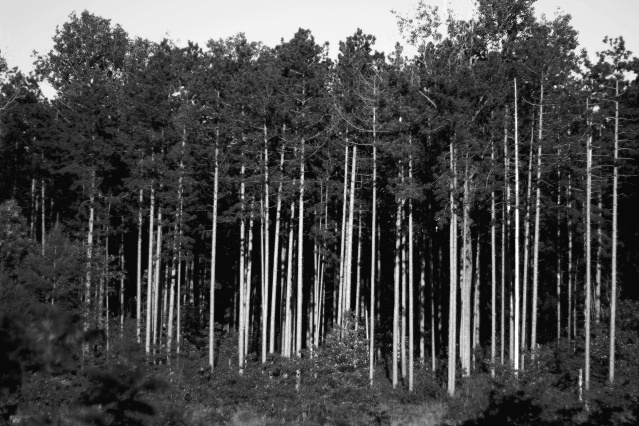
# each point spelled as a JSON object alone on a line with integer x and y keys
{"x": 27, "y": 25}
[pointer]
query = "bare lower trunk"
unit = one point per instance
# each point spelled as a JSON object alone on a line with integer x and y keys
{"x": 89, "y": 253}
{"x": 517, "y": 259}
{"x": 213, "y": 263}
{"x": 241, "y": 284}
{"x": 156, "y": 285}
{"x": 493, "y": 275}
{"x": 266, "y": 248}
{"x": 289, "y": 284}
{"x": 43, "y": 216}
{"x": 149, "y": 273}
{"x": 588, "y": 262}
{"x": 613, "y": 266}
{"x": 300, "y": 255}
{"x": 452, "y": 305}
{"x": 598, "y": 262}
{"x": 371, "y": 348}
{"x": 396, "y": 284}
{"x": 342, "y": 263}
{"x": 276, "y": 246}
{"x": 138, "y": 294}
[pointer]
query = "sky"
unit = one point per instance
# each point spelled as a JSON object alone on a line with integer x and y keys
{"x": 28, "y": 25}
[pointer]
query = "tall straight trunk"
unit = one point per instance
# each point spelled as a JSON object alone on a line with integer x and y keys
{"x": 289, "y": 286}
{"x": 348, "y": 273}
{"x": 241, "y": 284}
{"x": 138, "y": 295}
{"x": 571, "y": 325}
{"x": 599, "y": 254}
{"x": 588, "y": 259}
{"x": 421, "y": 299}
{"x": 398, "y": 222}
{"x": 178, "y": 321}
{"x": 322, "y": 293}
{"x": 149, "y": 274}
{"x": 300, "y": 254}
{"x": 276, "y": 246}
{"x": 535, "y": 278}
{"x": 524, "y": 302}
{"x": 411, "y": 314}
{"x": 613, "y": 266}
{"x": 213, "y": 261}
{"x": 452, "y": 305}
{"x": 121, "y": 292}
{"x": 435, "y": 320}
{"x": 89, "y": 252}
{"x": 558, "y": 254}
{"x": 156, "y": 285}
{"x": 172, "y": 284}
{"x": 266, "y": 247}
{"x": 248, "y": 311}
{"x": 493, "y": 274}
{"x": 342, "y": 255}
{"x": 358, "y": 280}
{"x": 505, "y": 228}
{"x": 403, "y": 273}
{"x": 371, "y": 348}
{"x": 517, "y": 290}
{"x": 34, "y": 209}
{"x": 466, "y": 285}
{"x": 43, "y": 216}
{"x": 105, "y": 280}
{"x": 535, "y": 283}
{"x": 476, "y": 301}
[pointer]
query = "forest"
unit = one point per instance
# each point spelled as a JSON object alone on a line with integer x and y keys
{"x": 245, "y": 234}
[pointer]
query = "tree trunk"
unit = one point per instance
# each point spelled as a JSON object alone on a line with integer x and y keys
{"x": 476, "y": 301}
{"x": 138, "y": 297}
{"x": 613, "y": 266}
{"x": 89, "y": 265}
{"x": 213, "y": 261}
{"x": 158, "y": 267}
{"x": 535, "y": 283}
{"x": 121, "y": 292}
{"x": 571, "y": 325}
{"x": 517, "y": 290}
{"x": 289, "y": 285}
{"x": 411, "y": 305}
{"x": 248, "y": 293}
{"x": 371, "y": 348}
{"x": 149, "y": 274}
{"x": 300, "y": 254}
{"x": 276, "y": 246}
{"x": 598, "y": 260}
{"x": 493, "y": 274}
{"x": 558, "y": 254}
{"x": 465, "y": 282}
{"x": 342, "y": 255}
{"x": 348, "y": 273}
{"x": 396, "y": 295}
{"x": 588, "y": 260}
{"x": 266, "y": 247}
{"x": 452, "y": 309}
{"x": 524, "y": 303}
{"x": 43, "y": 233}
{"x": 358, "y": 281}
{"x": 242, "y": 285}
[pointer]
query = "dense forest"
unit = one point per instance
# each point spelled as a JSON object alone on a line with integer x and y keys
{"x": 240, "y": 233}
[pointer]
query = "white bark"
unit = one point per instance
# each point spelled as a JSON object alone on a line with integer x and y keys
{"x": 138, "y": 296}
{"x": 149, "y": 273}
